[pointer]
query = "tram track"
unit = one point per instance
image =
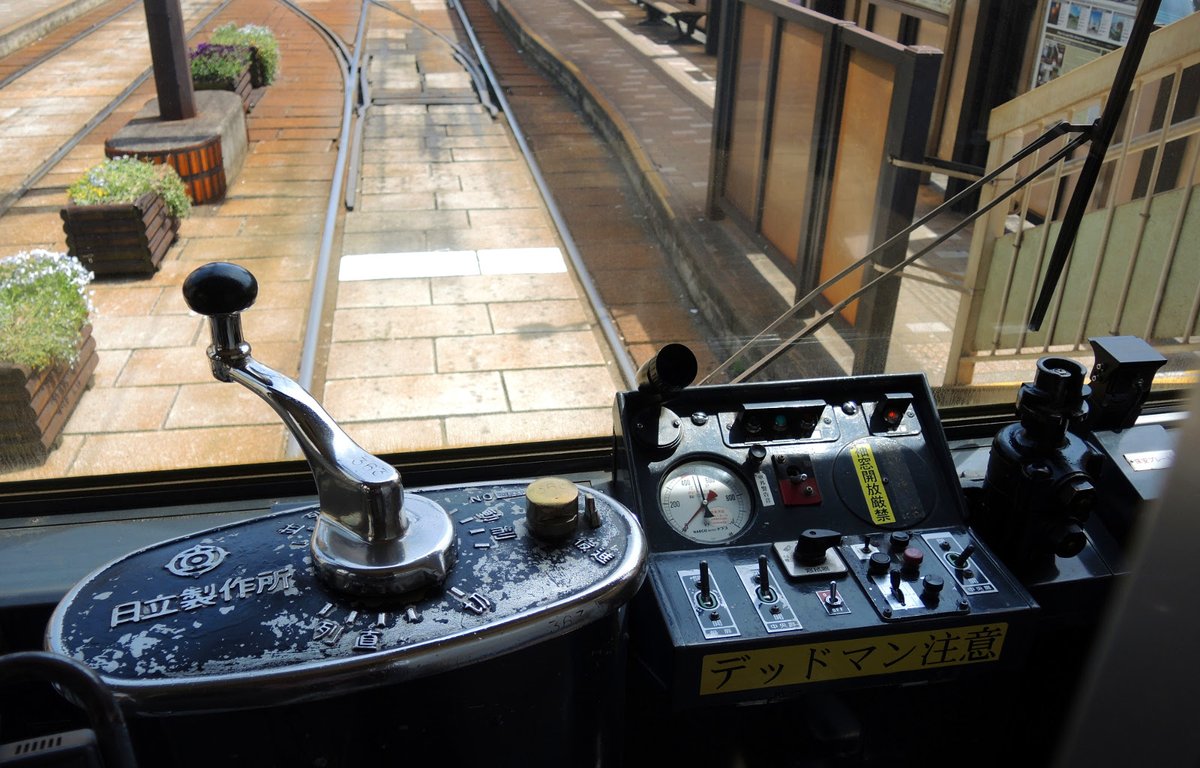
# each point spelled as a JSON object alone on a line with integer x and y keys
{"x": 492, "y": 98}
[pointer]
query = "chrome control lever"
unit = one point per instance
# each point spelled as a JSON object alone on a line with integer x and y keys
{"x": 367, "y": 539}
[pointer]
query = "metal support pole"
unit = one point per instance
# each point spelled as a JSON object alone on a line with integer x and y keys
{"x": 168, "y": 55}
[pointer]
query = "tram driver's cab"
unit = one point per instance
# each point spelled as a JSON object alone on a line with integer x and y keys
{"x": 807, "y": 571}
{"x": 804, "y": 571}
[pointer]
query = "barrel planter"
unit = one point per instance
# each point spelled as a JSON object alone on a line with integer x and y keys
{"x": 200, "y": 164}
{"x": 122, "y": 239}
{"x": 36, "y": 404}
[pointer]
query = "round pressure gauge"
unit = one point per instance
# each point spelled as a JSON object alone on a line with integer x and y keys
{"x": 705, "y": 502}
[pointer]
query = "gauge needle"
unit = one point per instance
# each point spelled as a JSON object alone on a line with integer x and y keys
{"x": 708, "y": 513}
{"x": 704, "y": 501}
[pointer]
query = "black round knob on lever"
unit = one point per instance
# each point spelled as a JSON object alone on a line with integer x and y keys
{"x": 220, "y": 288}
{"x": 221, "y": 291}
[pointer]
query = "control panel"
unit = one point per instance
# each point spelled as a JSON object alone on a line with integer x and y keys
{"x": 806, "y": 534}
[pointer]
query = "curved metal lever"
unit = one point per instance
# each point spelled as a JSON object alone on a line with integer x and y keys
{"x": 363, "y": 542}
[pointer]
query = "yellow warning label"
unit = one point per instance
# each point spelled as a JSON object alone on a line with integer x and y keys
{"x": 819, "y": 662}
{"x": 871, "y": 481}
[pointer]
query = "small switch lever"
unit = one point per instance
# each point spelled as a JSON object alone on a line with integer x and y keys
{"x": 764, "y": 579}
{"x": 705, "y": 598}
{"x": 962, "y": 559}
{"x": 833, "y": 599}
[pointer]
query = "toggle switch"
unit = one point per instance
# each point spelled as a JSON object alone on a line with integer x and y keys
{"x": 833, "y": 599}
{"x": 705, "y": 598}
{"x": 764, "y": 591}
{"x": 962, "y": 559}
{"x": 797, "y": 480}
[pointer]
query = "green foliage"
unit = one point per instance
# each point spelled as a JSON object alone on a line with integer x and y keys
{"x": 218, "y": 63}
{"x": 44, "y": 303}
{"x": 125, "y": 179}
{"x": 258, "y": 37}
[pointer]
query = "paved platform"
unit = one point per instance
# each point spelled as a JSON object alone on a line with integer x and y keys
{"x": 24, "y": 21}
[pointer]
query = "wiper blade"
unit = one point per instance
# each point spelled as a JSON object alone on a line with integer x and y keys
{"x": 1106, "y": 125}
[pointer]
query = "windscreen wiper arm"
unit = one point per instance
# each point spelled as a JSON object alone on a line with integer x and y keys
{"x": 1102, "y": 135}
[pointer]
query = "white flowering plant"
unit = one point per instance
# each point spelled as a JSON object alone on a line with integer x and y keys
{"x": 261, "y": 40}
{"x": 44, "y": 304}
{"x": 125, "y": 179}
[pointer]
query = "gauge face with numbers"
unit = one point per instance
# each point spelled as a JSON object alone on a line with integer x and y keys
{"x": 705, "y": 502}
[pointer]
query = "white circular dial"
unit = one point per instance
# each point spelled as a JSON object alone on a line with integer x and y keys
{"x": 705, "y": 502}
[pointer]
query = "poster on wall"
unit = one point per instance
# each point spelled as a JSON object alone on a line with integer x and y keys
{"x": 1074, "y": 33}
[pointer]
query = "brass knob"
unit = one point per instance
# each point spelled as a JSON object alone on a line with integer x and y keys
{"x": 552, "y": 508}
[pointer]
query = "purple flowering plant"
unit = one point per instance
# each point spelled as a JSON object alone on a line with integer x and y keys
{"x": 216, "y": 63}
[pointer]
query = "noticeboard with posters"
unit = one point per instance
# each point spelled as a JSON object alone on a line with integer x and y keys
{"x": 1074, "y": 33}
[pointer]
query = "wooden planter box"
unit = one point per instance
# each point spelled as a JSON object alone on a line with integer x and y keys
{"x": 121, "y": 239}
{"x": 35, "y": 405}
{"x": 241, "y": 85}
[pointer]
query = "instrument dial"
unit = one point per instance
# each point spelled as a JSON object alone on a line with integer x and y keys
{"x": 705, "y": 502}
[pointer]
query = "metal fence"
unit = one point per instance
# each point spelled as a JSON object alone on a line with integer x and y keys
{"x": 1135, "y": 266}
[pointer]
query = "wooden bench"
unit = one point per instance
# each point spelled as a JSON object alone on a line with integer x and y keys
{"x": 687, "y": 18}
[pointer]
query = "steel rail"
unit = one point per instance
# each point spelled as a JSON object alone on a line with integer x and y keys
{"x": 607, "y": 327}
{"x": 316, "y": 308}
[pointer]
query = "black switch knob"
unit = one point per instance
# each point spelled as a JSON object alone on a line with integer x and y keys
{"x": 811, "y": 546}
{"x": 931, "y": 587}
{"x": 756, "y": 455}
{"x": 220, "y": 288}
{"x": 900, "y": 539}
{"x": 879, "y": 563}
